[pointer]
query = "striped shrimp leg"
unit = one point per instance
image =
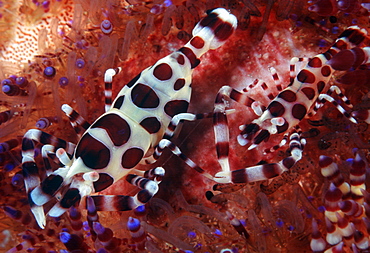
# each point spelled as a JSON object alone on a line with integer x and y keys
{"x": 76, "y": 120}
{"x": 265, "y": 171}
{"x": 125, "y": 203}
{"x": 220, "y": 124}
{"x": 108, "y": 79}
{"x": 30, "y": 170}
{"x": 79, "y": 124}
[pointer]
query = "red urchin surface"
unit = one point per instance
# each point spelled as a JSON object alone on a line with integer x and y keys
{"x": 246, "y": 56}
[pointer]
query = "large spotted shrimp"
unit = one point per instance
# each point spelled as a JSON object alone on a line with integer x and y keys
{"x": 126, "y": 134}
{"x": 288, "y": 108}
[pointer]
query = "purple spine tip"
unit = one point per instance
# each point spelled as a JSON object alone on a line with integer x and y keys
{"x": 98, "y": 228}
{"x": 133, "y": 224}
{"x": 64, "y": 237}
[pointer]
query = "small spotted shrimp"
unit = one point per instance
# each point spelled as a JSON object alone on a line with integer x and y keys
{"x": 127, "y": 133}
{"x": 288, "y": 108}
